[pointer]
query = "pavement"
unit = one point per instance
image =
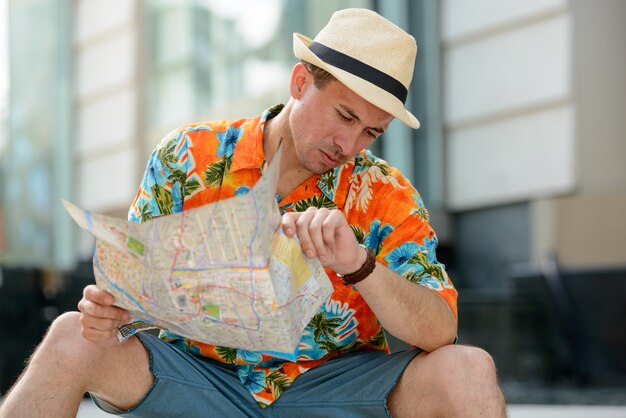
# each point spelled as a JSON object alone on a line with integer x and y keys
{"x": 89, "y": 410}
{"x": 569, "y": 411}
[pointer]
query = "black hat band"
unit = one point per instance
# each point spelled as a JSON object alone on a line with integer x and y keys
{"x": 360, "y": 69}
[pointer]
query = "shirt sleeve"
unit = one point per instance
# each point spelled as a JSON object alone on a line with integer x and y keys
{"x": 162, "y": 188}
{"x": 410, "y": 251}
{"x": 389, "y": 216}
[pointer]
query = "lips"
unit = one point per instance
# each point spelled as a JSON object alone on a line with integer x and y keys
{"x": 328, "y": 160}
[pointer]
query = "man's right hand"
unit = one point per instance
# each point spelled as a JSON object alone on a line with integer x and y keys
{"x": 99, "y": 318}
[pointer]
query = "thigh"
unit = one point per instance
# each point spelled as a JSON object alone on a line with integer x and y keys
{"x": 118, "y": 372}
{"x": 352, "y": 385}
{"x": 187, "y": 386}
{"x": 123, "y": 374}
{"x": 453, "y": 380}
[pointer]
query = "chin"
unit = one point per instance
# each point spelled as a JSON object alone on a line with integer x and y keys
{"x": 314, "y": 167}
{"x": 317, "y": 171}
{"x": 322, "y": 168}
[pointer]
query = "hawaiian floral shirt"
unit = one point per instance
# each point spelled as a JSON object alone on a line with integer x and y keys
{"x": 206, "y": 162}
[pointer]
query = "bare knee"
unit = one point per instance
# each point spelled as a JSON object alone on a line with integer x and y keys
{"x": 65, "y": 328}
{"x": 468, "y": 375}
{"x": 452, "y": 380}
{"x": 118, "y": 374}
{"x": 472, "y": 363}
{"x": 64, "y": 342}
{"x": 462, "y": 366}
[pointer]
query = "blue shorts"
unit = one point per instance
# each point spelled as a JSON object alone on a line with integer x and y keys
{"x": 353, "y": 385}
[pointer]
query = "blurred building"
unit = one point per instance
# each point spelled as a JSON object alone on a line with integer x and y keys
{"x": 533, "y": 93}
{"x": 535, "y": 182}
{"x": 520, "y": 158}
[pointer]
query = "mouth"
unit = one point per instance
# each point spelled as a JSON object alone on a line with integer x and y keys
{"x": 329, "y": 160}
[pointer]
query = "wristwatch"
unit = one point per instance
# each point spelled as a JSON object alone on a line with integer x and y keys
{"x": 366, "y": 269}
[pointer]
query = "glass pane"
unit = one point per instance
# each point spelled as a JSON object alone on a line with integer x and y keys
{"x": 4, "y": 110}
{"x": 37, "y": 141}
{"x": 237, "y": 55}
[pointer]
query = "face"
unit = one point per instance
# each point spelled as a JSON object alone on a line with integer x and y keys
{"x": 330, "y": 125}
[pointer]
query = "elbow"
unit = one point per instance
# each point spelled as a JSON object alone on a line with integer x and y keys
{"x": 444, "y": 333}
{"x": 450, "y": 331}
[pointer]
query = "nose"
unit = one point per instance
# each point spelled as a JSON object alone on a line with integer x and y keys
{"x": 347, "y": 139}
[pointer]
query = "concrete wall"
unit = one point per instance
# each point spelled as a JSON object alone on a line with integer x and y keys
{"x": 508, "y": 111}
{"x": 108, "y": 120}
{"x": 599, "y": 63}
{"x": 534, "y": 99}
{"x": 106, "y": 103}
{"x": 588, "y": 228}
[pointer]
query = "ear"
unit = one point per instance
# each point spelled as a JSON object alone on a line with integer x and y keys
{"x": 300, "y": 78}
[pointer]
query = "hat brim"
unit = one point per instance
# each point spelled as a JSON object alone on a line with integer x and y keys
{"x": 368, "y": 91}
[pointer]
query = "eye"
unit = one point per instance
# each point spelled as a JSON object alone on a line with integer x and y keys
{"x": 372, "y": 134}
{"x": 343, "y": 117}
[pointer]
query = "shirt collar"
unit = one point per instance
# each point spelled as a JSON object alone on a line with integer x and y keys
{"x": 335, "y": 183}
{"x": 249, "y": 149}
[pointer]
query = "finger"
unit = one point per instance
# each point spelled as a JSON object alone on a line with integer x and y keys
{"x": 100, "y": 324}
{"x": 289, "y": 222}
{"x": 98, "y": 296}
{"x": 302, "y": 230}
{"x": 316, "y": 232}
{"x": 93, "y": 309}
{"x": 100, "y": 337}
{"x": 332, "y": 224}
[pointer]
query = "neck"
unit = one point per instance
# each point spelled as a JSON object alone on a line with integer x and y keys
{"x": 278, "y": 130}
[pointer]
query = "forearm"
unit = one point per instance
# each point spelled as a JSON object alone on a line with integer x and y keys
{"x": 412, "y": 313}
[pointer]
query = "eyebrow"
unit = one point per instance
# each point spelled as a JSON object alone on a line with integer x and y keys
{"x": 355, "y": 116}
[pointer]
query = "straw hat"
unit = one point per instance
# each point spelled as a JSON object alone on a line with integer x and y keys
{"x": 368, "y": 54}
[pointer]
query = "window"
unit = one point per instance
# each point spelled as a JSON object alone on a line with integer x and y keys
{"x": 36, "y": 153}
{"x": 212, "y": 59}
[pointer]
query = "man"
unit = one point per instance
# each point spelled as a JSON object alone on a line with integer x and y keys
{"x": 361, "y": 218}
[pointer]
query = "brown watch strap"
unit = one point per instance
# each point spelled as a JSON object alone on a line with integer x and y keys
{"x": 366, "y": 269}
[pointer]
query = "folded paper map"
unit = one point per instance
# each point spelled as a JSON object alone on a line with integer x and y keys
{"x": 222, "y": 274}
